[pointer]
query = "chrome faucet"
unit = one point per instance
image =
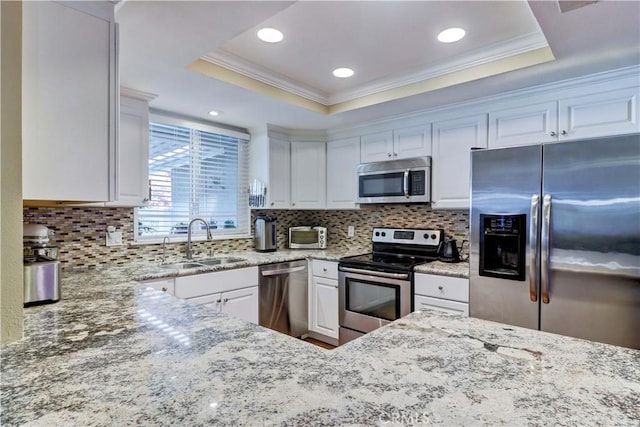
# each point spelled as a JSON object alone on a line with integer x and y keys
{"x": 189, "y": 249}
{"x": 165, "y": 240}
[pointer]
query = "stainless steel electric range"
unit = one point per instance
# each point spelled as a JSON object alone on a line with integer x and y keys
{"x": 377, "y": 288}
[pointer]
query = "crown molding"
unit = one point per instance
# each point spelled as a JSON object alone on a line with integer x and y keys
{"x": 495, "y": 52}
{"x": 252, "y": 70}
{"x": 137, "y": 94}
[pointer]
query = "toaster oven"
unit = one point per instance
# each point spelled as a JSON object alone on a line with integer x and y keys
{"x": 307, "y": 237}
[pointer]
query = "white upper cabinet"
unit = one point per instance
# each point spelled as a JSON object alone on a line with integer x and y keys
{"x": 68, "y": 102}
{"x": 132, "y": 167}
{"x": 308, "y": 175}
{"x": 376, "y": 147}
{"x": 607, "y": 113}
{"x": 279, "y": 185}
{"x": 401, "y": 143}
{"x": 414, "y": 141}
{"x": 343, "y": 156}
{"x": 591, "y": 115}
{"x": 452, "y": 143}
{"x": 523, "y": 125}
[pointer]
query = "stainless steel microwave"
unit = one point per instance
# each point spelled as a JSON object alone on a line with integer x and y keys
{"x": 395, "y": 181}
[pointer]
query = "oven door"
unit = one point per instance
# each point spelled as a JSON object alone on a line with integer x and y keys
{"x": 370, "y": 299}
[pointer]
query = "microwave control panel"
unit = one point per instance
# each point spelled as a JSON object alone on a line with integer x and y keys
{"x": 418, "y": 183}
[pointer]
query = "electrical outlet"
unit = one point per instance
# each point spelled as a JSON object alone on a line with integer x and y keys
{"x": 351, "y": 231}
{"x": 114, "y": 238}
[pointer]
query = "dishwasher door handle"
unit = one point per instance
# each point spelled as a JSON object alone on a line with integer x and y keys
{"x": 278, "y": 272}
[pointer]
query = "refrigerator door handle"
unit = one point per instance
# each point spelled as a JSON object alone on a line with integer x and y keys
{"x": 533, "y": 249}
{"x": 545, "y": 247}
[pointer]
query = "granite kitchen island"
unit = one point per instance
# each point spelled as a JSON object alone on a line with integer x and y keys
{"x": 115, "y": 353}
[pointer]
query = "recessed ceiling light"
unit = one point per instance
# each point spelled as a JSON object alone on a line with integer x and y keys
{"x": 343, "y": 72}
{"x": 214, "y": 113}
{"x": 270, "y": 35}
{"x": 451, "y": 35}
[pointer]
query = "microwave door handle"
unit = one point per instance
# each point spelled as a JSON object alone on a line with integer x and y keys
{"x": 406, "y": 183}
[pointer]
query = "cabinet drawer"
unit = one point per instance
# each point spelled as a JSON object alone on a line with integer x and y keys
{"x": 451, "y": 288}
{"x": 219, "y": 281}
{"x": 328, "y": 269}
{"x": 446, "y": 306}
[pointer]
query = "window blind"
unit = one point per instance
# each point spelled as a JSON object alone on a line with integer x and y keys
{"x": 194, "y": 174}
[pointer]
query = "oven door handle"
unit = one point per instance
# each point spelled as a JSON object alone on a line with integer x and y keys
{"x": 400, "y": 276}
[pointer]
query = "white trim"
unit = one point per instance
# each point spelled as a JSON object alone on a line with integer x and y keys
{"x": 136, "y": 94}
{"x": 183, "y": 239}
{"x": 504, "y": 49}
{"x": 175, "y": 120}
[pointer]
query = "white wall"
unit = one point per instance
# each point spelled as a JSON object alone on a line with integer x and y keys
{"x": 11, "y": 288}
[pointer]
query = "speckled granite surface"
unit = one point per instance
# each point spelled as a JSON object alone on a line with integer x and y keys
{"x": 115, "y": 353}
{"x": 459, "y": 269}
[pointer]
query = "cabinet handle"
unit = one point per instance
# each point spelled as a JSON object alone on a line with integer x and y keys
{"x": 553, "y": 133}
{"x": 218, "y": 301}
{"x": 293, "y": 204}
{"x": 271, "y": 203}
{"x": 324, "y": 269}
{"x": 389, "y": 155}
{"x": 226, "y": 300}
{"x": 564, "y": 132}
{"x": 395, "y": 154}
{"x": 164, "y": 289}
{"x": 335, "y": 286}
{"x": 440, "y": 287}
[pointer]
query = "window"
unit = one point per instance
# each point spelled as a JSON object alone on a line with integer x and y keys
{"x": 195, "y": 171}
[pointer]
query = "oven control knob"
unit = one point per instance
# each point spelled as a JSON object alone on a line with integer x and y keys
{"x": 433, "y": 236}
{"x": 384, "y": 234}
{"x": 426, "y": 236}
{"x": 377, "y": 233}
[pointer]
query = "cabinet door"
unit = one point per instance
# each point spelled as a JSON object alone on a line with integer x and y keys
{"x": 343, "y": 157}
{"x": 376, "y": 147}
{"x": 164, "y": 285}
{"x": 524, "y": 125}
{"x": 452, "y": 144}
{"x": 323, "y": 307}
{"x": 446, "y": 306}
{"x": 242, "y": 303}
{"x": 602, "y": 114}
{"x": 279, "y": 190}
{"x": 412, "y": 141}
{"x": 451, "y": 288}
{"x": 68, "y": 104}
{"x": 308, "y": 175}
{"x": 212, "y": 301}
{"x": 132, "y": 167}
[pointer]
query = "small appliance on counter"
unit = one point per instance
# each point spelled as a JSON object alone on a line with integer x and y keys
{"x": 449, "y": 251}
{"x": 305, "y": 237}
{"x": 42, "y": 272}
{"x": 265, "y": 235}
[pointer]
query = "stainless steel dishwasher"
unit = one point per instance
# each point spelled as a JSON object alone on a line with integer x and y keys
{"x": 283, "y": 297}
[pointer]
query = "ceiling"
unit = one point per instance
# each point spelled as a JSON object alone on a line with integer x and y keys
{"x": 202, "y": 56}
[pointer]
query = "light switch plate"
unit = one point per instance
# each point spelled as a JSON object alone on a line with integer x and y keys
{"x": 351, "y": 231}
{"x": 114, "y": 238}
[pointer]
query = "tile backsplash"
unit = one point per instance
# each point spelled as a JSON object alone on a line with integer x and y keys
{"x": 80, "y": 232}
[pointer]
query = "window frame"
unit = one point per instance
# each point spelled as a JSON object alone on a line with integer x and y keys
{"x": 168, "y": 119}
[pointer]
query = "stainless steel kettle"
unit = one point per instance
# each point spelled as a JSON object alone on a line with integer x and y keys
{"x": 449, "y": 251}
{"x": 265, "y": 234}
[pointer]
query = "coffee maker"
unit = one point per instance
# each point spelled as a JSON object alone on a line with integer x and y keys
{"x": 265, "y": 234}
{"x": 42, "y": 272}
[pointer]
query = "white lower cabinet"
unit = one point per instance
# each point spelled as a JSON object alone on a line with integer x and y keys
{"x": 234, "y": 292}
{"x": 442, "y": 293}
{"x": 323, "y": 298}
{"x": 165, "y": 285}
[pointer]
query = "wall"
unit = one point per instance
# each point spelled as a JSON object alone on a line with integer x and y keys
{"x": 80, "y": 232}
{"x": 11, "y": 288}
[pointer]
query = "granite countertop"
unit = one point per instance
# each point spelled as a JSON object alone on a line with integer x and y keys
{"x": 115, "y": 353}
{"x": 149, "y": 271}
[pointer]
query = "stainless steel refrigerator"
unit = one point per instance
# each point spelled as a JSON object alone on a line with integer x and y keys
{"x": 555, "y": 238}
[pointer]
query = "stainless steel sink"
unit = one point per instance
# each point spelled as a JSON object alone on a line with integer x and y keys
{"x": 180, "y": 265}
{"x": 218, "y": 261}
